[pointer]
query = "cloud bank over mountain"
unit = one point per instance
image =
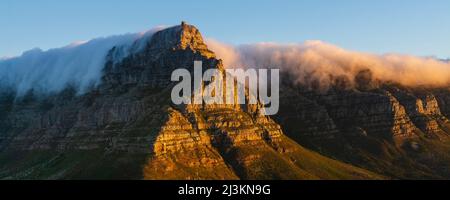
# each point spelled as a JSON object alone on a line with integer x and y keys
{"x": 322, "y": 64}
{"x": 79, "y": 64}
{"x": 310, "y": 63}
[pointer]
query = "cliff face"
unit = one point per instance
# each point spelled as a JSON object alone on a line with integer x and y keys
{"x": 390, "y": 129}
{"x": 128, "y": 128}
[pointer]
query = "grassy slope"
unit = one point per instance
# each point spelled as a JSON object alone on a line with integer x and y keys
{"x": 70, "y": 165}
{"x": 291, "y": 161}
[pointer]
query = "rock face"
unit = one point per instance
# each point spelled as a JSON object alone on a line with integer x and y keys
{"x": 423, "y": 109}
{"x": 169, "y": 49}
{"x": 372, "y": 127}
{"x": 128, "y": 128}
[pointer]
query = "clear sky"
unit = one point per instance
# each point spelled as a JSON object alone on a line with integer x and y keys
{"x": 381, "y": 26}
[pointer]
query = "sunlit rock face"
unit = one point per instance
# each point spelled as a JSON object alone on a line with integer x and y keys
{"x": 423, "y": 108}
{"x": 223, "y": 141}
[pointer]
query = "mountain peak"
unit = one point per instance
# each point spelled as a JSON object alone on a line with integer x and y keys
{"x": 180, "y": 37}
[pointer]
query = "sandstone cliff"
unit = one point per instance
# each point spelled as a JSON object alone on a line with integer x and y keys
{"x": 385, "y": 127}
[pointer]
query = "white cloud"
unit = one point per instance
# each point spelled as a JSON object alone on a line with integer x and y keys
{"x": 79, "y": 64}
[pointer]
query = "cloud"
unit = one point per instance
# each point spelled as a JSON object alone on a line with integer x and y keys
{"x": 316, "y": 62}
{"x": 310, "y": 63}
{"x": 229, "y": 54}
{"x": 78, "y": 64}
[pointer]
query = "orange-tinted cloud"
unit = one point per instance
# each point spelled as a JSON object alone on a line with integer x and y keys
{"x": 319, "y": 62}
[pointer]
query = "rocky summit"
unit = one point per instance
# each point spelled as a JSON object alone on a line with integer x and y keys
{"x": 128, "y": 127}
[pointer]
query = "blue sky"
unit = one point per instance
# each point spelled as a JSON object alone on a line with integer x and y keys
{"x": 382, "y": 26}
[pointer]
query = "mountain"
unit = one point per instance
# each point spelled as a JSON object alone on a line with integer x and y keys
{"x": 128, "y": 128}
